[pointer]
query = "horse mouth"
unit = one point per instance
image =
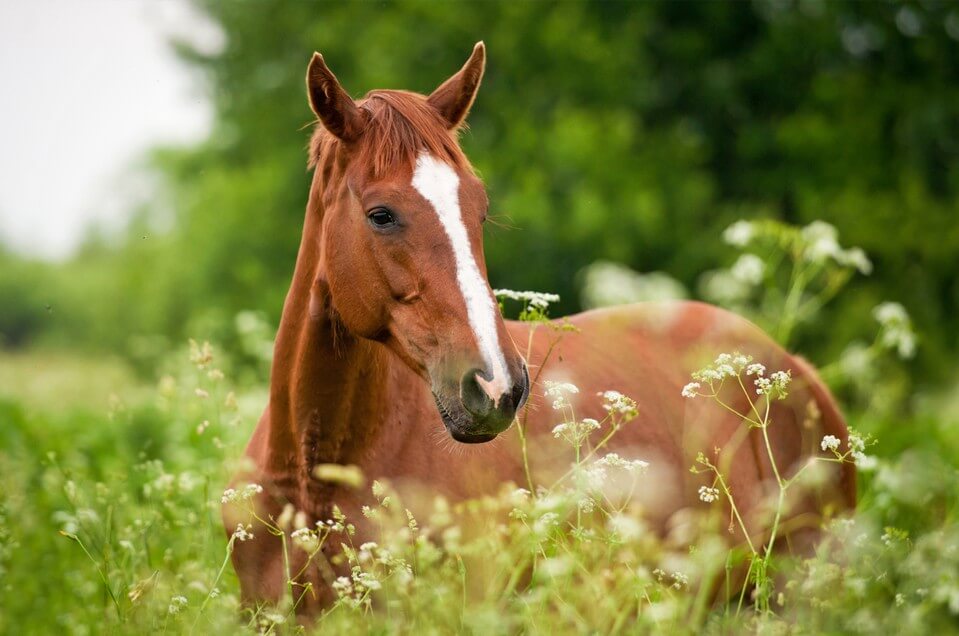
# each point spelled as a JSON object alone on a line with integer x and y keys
{"x": 466, "y": 438}
{"x": 454, "y": 426}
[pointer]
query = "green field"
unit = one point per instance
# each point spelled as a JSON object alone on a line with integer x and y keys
{"x": 794, "y": 161}
{"x": 110, "y": 524}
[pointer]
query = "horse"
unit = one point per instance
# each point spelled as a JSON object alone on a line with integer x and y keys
{"x": 390, "y": 334}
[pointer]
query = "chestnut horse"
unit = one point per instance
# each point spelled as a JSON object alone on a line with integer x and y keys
{"x": 390, "y": 333}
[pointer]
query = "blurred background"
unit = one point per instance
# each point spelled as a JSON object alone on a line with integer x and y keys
{"x": 796, "y": 161}
{"x": 154, "y": 170}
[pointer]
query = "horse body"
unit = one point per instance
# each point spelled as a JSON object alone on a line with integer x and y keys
{"x": 387, "y": 338}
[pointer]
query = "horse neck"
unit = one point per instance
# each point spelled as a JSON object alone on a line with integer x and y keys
{"x": 327, "y": 387}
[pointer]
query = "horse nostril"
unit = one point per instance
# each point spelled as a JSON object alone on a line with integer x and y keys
{"x": 521, "y": 390}
{"x": 474, "y": 397}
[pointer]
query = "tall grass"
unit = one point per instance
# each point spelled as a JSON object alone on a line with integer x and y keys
{"x": 109, "y": 523}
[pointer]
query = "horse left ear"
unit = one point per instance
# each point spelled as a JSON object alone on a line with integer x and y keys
{"x": 454, "y": 97}
{"x": 330, "y": 102}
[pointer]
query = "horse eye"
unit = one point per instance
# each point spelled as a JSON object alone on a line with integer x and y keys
{"x": 381, "y": 217}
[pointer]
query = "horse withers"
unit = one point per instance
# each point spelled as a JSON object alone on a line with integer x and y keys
{"x": 390, "y": 334}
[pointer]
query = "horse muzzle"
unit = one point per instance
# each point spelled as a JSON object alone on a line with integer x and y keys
{"x": 472, "y": 415}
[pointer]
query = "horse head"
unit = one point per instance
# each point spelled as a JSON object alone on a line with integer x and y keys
{"x": 401, "y": 243}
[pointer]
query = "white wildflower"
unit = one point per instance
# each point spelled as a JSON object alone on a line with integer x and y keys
{"x": 559, "y": 392}
{"x": 595, "y": 476}
{"x": 889, "y": 313}
{"x": 626, "y": 527}
{"x": 896, "y": 327}
{"x": 343, "y": 586}
{"x": 246, "y": 493}
{"x": 366, "y": 581}
{"x": 749, "y": 269}
{"x": 575, "y": 432}
{"x": 830, "y": 442}
{"x": 268, "y": 620}
{"x": 616, "y": 403}
{"x": 865, "y": 462}
{"x": 680, "y": 581}
{"x": 756, "y": 369}
{"x": 739, "y": 233}
{"x": 726, "y": 365}
{"x": 545, "y": 523}
{"x": 613, "y": 460}
{"x": 539, "y": 300}
{"x": 306, "y": 539}
{"x": 691, "y": 389}
{"x": 177, "y": 603}
{"x": 856, "y": 442}
{"x": 708, "y": 494}
{"x": 857, "y": 451}
{"x": 775, "y": 386}
{"x": 856, "y": 257}
{"x": 243, "y": 533}
{"x": 821, "y": 242}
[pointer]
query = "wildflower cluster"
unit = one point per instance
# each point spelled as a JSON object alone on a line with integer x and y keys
{"x": 787, "y": 274}
{"x": 243, "y": 533}
{"x": 244, "y": 494}
{"x": 775, "y": 386}
{"x": 676, "y": 580}
{"x": 855, "y": 450}
{"x": 539, "y": 300}
{"x": 734, "y": 366}
{"x": 605, "y": 284}
{"x": 895, "y": 329}
{"x": 372, "y": 565}
{"x": 617, "y": 404}
{"x": 525, "y": 548}
{"x": 306, "y": 538}
{"x": 535, "y": 304}
{"x": 822, "y": 243}
{"x": 613, "y": 460}
{"x": 817, "y": 242}
{"x": 177, "y": 603}
{"x": 708, "y": 494}
{"x": 575, "y": 432}
{"x": 559, "y": 393}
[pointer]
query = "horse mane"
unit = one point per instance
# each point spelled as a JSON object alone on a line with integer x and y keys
{"x": 400, "y": 125}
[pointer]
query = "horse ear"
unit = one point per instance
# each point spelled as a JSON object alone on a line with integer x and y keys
{"x": 454, "y": 97}
{"x": 335, "y": 108}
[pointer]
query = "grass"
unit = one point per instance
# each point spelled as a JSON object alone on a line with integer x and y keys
{"x": 109, "y": 523}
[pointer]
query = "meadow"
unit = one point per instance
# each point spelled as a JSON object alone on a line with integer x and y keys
{"x": 793, "y": 161}
{"x": 109, "y": 516}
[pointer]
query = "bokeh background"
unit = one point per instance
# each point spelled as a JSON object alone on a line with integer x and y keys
{"x": 153, "y": 183}
{"x": 633, "y": 133}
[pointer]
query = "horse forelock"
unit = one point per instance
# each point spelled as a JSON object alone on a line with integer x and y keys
{"x": 400, "y": 126}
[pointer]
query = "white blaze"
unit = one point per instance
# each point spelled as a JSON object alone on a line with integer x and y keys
{"x": 439, "y": 184}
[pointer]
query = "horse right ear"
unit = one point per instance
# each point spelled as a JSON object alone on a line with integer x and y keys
{"x": 335, "y": 108}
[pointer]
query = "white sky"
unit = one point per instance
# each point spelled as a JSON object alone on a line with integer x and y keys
{"x": 88, "y": 85}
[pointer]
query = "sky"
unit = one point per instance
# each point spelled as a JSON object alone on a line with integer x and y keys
{"x": 89, "y": 87}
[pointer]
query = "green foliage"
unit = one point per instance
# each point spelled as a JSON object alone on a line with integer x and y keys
{"x": 111, "y": 523}
{"x": 626, "y": 132}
